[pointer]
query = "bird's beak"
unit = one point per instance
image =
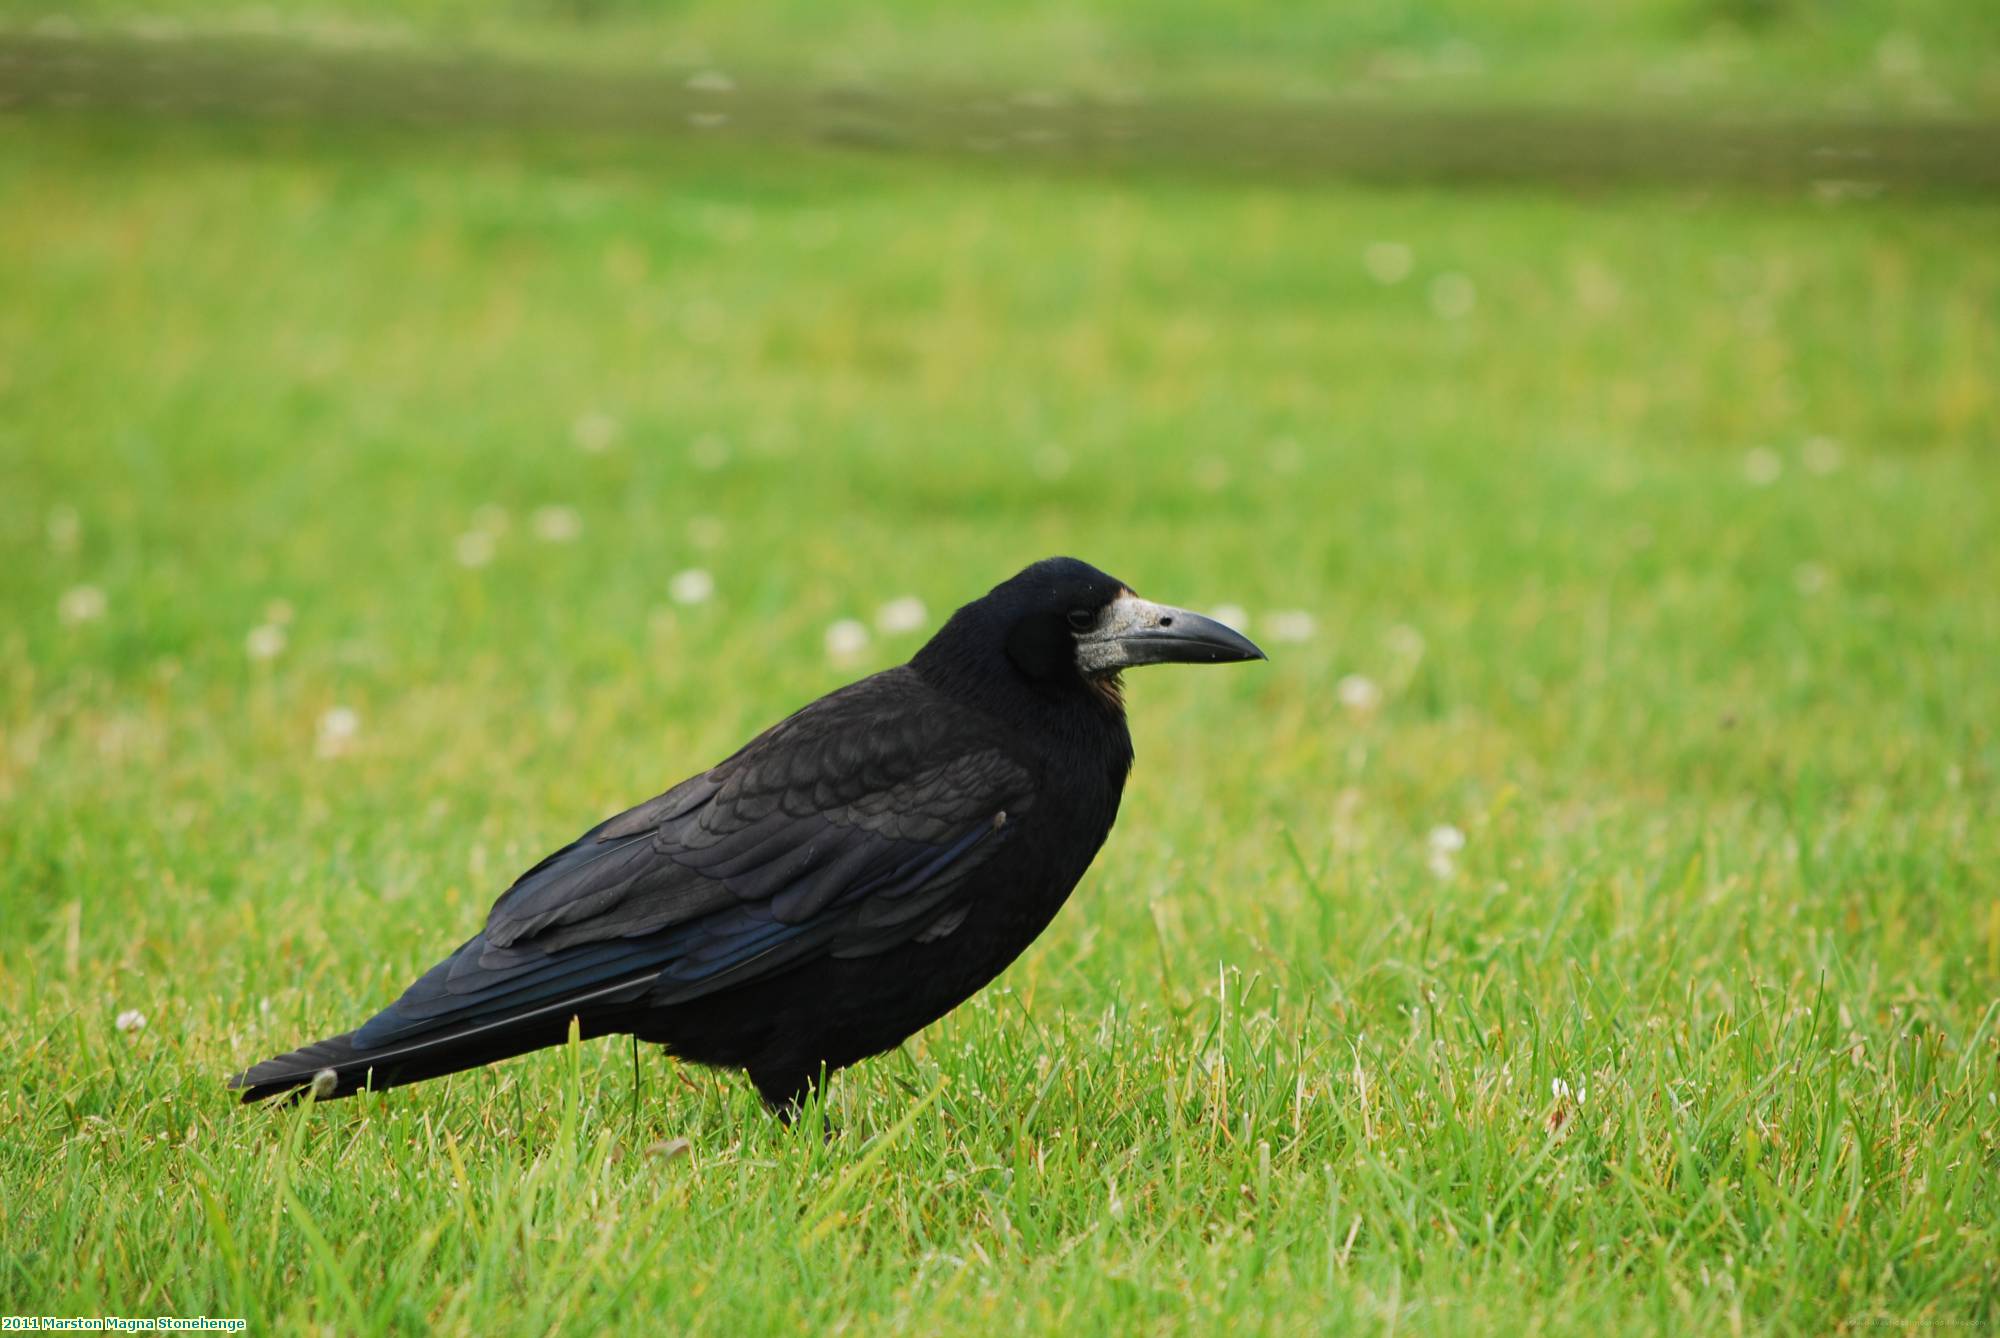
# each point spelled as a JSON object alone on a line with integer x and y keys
{"x": 1134, "y": 631}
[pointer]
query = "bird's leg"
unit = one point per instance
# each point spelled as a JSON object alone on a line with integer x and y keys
{"x": 786, "y": 1096}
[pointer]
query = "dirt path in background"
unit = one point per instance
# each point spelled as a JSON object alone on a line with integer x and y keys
{"x": 428, "y": 94}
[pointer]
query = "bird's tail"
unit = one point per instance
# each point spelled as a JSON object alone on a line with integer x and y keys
{"x": 335, "y": 1067}
{"x": 477, "y": 1006}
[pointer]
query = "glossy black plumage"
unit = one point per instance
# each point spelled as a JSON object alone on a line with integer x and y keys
{"x": 844, "y": 879}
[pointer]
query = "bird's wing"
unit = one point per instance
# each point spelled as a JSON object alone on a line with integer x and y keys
{"x": 843, "y": 830}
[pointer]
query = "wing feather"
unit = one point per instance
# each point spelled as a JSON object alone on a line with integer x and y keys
{"x": 844, "y": 830}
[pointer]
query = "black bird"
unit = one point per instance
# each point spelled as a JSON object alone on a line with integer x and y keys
{"x": 846, "y": 878}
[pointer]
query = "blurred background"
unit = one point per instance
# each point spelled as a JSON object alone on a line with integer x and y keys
{"x": 426, "y": 426}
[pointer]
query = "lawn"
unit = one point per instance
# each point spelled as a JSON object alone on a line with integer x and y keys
{"x": 1586, "y": 923}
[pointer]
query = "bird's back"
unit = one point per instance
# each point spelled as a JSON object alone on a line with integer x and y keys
{"x": 840, "y": 881}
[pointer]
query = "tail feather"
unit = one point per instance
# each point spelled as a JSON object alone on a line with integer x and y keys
{"x": 470, "y": 1009}
{"x": 333, "y": 1068}
{"x": 300, "y": 1072}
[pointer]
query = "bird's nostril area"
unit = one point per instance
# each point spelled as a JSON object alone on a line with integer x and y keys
{"x": 1166, "y": 622}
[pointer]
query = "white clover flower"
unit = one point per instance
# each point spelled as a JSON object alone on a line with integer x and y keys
{"x": 903, "y": 614}
{"x": 846, "y": 638}
{"x": 1899, "y": 56}
{"x": 1453, "y": 296}
{"x": 65, "y": 529}
{"x": 1231, "y": 615}
{"x": 594, "y": 432}
{"x": 693, "y": 586}
{"x": 1290, "y": 625}
{"x": 1562, "y": 1091}
{"x": 709, "y": 452}
{"x": 1445, "y": 839}
{"x": 1762, "y": 466}
{"x": 557, "y": 524}
{"x": 474, "y": 548}
{"x": 1359, "y": 693}
{"x": 1821, "y": 455}
{"x": 81, "y": 604}
{"x": 131, "y": 1020}
{"x": 338, "y": 728}
{"x": 265, "y": 642}
{"x": 1388, "y": 262}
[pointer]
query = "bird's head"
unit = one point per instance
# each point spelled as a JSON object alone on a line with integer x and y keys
{"x": 1062, "y": 624}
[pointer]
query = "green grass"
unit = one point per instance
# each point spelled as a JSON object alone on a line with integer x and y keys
{"x": 1672, "y": 557}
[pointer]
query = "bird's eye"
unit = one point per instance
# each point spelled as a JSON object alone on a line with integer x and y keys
{"x": 1082, "y": 619}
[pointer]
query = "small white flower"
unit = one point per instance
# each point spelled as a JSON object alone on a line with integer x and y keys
{"x": 1441, "y": 864}
{"x": 709, "y": 452}
{"x": 846, "y": 638}
{"x": 1562, "y": 1091}
{"x": 704, "y": 531}
{"x": 265, "y": 642}
{"x": 474, "y": 548}
{"x": 1761, "y": 466}
{"x": 1232, "y": 616}
{"x": 1899, "y": 56}
{"x": 594, "y": 432}
{"x": 557, "y": 524}
{"x": 1453, "y": 296}
{"x": 1211, "y": 473}
{"x": 65, "y": 529}
{"x": 906, "y": 614}
{"x": 1290, "y": 625}
{"x": 693, "y": 586}
{"x": 1821, "y": 455}
{"x": 711, "y": 81}
{"x": 1445, "y": 839}
{"x": 338, "y": 728}
{"x": 703, "y": 321}
{"x": 131, "y": 1020}
{"x": 323, "y": 1084}
{"x": 1388, "y": 262}
{"x": 1359, "y": 693}
{"x": 81, "y": 604}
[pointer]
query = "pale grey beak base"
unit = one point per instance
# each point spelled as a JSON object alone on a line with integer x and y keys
{"x": 1134, "y": 631}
